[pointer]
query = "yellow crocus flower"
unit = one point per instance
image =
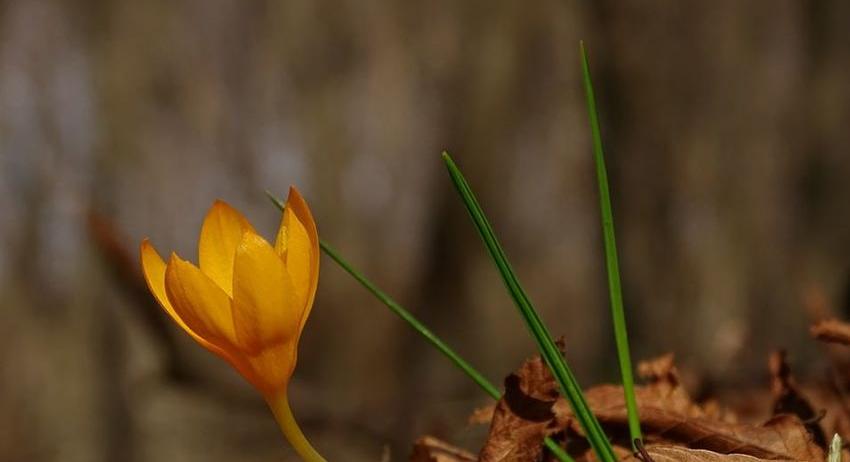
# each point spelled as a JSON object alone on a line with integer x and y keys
{"x": 246, "y": 301}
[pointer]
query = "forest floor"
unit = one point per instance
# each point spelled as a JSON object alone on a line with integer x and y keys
{"x": 783, "y": 420}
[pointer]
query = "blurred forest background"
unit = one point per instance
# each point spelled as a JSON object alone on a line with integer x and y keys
{"x": 726, "y": 130}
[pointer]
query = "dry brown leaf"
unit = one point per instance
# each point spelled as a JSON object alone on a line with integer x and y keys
{"x": 675, "y": 421}
{"x": 783, "y": 437}
{"x": 588, "y": 455}
{"x": 832, "y": 331}
{"x": 682, "y": 454}
{"x": 787, "y": 398}
{"x": 430, "y": 449}
{"x": 835, "y": 397}
{"x": 836, "y": 418}
{"x": 660, "y": 370}
{"x": 482, "y": 415}
{"x": 523, "y": 417}
{"x": 668, "y": 453}
{"x": 662, "y": 395}
{"x": 667, "y": 414}
{"x": 662, "y": 374}
{"x": 713, "y": 410}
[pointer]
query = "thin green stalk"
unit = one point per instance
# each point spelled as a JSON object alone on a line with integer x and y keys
{"x": 438, "y": 343}
{"x": 615, "y": 292}
{"x": 596, "y": 437}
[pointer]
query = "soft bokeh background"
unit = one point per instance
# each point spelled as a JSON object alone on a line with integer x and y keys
{"x": 727, "y": 136}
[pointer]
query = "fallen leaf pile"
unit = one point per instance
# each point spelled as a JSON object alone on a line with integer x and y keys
{"x": 796, "y": 426}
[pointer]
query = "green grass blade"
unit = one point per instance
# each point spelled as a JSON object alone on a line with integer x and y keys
{"x": 596, "y": 437}
{"x": 611, "y": 262}
{"x": 558, "y": 451}
{"x": 435, "y": 341}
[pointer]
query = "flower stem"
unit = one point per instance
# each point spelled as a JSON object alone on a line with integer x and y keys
{"x": 279, "y": 404}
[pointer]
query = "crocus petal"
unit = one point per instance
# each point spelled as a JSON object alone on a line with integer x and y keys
{"x": 220, "y": 234}
{"x": 199, "y": 302}
{"x": 298, "y": 244}
{"x": 153, "y": 268}
{"x": 265, "y": 308}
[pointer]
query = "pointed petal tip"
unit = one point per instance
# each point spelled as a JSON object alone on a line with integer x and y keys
{"x": 219, "y": 206}
{"x": 297, "y": 243}
{"x": 175, "y": 259}
{"x": 300, "y": 207}
{"x": 148, "y": 255}
{"x": 221, "y": 209}
{"x": 294, "y": 193}
{"x": 146, "y": 249}
{"x": 220, "y": 234}
{"x": 297, "y": 206}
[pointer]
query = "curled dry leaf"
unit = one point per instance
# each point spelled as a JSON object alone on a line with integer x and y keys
{"x": 681, "y": 454}
{"x": 836, "y": 418}
{"x": 831, "y": 331}
{"x": 523, "y": 417}
{"x": 430, "y": 449}
{"x": 787, "y": 398}
{"x": 484, "y": 414}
